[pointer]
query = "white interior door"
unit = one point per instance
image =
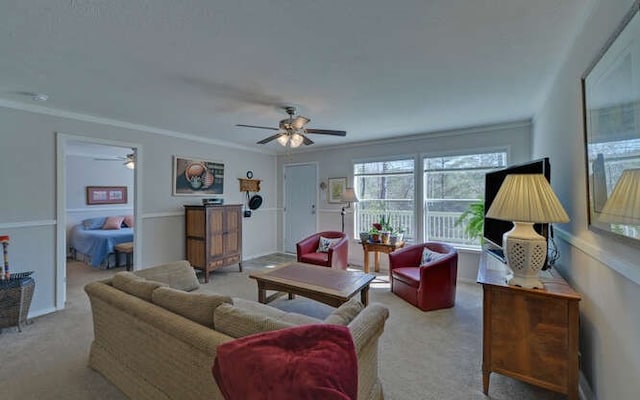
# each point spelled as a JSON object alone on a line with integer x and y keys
{"x": 300, "y": 203}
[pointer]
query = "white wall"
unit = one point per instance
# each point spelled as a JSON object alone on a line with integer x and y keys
{"x": 338, "y": 162}
{"x": 609, "y": 316}
{"x": 28, "y": 194}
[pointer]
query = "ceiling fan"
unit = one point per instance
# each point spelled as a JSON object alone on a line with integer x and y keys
{"x": 292, "y": 132}
{"x": 129, "y": 160}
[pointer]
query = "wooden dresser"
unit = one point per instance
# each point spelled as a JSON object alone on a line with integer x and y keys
{"x": 213, "y": 235}
{"x": 529, "y": 334}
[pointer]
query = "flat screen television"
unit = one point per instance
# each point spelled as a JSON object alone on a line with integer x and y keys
{"x": 494, "y": 228}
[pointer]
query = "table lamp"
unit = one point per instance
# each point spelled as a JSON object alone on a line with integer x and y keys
{"x": 526, "y": 199}
{"x": 623, "y": 205}
{"x": 348, "y": 196}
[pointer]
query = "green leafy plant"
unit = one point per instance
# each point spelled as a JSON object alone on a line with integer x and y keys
{"x": 385, "y": 223}
{"x": 473, "y": 218}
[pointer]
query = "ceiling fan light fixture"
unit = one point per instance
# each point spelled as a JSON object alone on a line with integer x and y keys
{"x": 296, "y": 140}
{"x": 130, "y": 164}
{"x": 283, "y": 139}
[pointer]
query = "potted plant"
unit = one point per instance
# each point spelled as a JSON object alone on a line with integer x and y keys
{"x": 364, "y": 236}
{"x": 397, "y": 234}
{"x": 374, "y": 235}
{"x": 473, "y": 218}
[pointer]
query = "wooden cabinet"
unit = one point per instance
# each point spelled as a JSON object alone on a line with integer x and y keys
{"x": 213, "y": 236}
{"x": 529, "y": 334}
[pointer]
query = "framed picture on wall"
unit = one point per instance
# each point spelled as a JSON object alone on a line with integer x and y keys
{"x": 197, "y": 177}
{"x": 106, "y": 195}
{"x": 336, "y": 187}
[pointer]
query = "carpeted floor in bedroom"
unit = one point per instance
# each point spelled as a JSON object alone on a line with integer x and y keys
{"x": 435, "y": 355}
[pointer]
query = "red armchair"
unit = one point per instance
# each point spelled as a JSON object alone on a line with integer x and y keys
{"x": 431, "y": 286}
{"x": 336, "y": 257}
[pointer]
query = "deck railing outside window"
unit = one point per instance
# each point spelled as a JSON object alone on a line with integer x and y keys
{"x": 441, "y": 226}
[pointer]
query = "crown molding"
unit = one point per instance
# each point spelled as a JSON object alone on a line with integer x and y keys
{"x": 37, "y": 109}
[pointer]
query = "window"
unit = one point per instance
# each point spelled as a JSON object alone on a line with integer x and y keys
{"x": 385, "y": 188}
{"x": 451, "y": 184}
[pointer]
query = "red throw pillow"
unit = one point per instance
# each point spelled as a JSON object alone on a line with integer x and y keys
{"x": 129, "y": 221}
{"x": 113, "y": 223}
{"x": 303, "y": 362}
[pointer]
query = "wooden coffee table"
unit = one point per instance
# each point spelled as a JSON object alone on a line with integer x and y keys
{"x": 326, "y": 285}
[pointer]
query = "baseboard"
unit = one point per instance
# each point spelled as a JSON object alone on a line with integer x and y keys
{"x": 584, "y": 390}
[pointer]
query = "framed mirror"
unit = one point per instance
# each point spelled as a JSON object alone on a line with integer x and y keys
{"x": 611, "y": 106}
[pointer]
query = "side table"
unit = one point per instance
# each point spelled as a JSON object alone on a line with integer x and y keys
{"x": 376, "y": 248}
{"x": 15, "y": 300}
{"x": 529, "y": 334}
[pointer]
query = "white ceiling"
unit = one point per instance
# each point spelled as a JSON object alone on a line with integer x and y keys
{"x": 374, "y": 68}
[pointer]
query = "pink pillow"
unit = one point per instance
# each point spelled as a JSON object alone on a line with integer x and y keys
{"x": 129, "y": 221}
{"x": 304, "y": 362}
{"x": 113, "y": 223}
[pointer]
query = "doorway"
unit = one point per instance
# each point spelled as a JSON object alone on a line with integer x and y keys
{"x": 84, "y": 162}
{"x": 300, "y": 203}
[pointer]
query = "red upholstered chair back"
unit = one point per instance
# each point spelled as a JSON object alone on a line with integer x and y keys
{"x": 336, "y": 257}
{"x": 430, "y": 286}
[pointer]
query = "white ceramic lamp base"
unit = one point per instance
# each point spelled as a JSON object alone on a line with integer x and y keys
{"x": 525, "y": 251}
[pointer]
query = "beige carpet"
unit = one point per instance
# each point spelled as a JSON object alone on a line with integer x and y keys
{"x": 434, "y": 355}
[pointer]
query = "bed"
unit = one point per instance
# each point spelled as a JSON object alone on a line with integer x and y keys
{"x": 94, "y": 243}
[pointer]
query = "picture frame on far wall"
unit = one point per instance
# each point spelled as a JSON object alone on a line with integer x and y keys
{"x": 611, "y": 112}
{"x": 336, "y": 188}
{"x": 197, "y": 177}
{"x": 106, "y": 195}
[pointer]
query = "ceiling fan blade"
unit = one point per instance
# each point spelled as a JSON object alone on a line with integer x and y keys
{"x": 300, "y": 121}
{"x": 326, "y": 132}
{"x": 306, "y": 140}
{"x": 260, "y": 127}
{"x": 110, "y": 159}
{"x": 270, "y": 138}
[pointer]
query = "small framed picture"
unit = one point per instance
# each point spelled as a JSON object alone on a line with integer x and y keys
{"x": 336, "y": 188}
{"x": 106, "y": 195}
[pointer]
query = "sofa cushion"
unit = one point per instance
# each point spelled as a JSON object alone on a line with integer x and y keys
{"x": 135, "y": 285}
{"x": 344, "y": 314}
{"x": 178, "y": 275}
{"x": 236, "y": 321}
{"x": 266, "y": 310}
{"x": 198, "y": 307}
{"x": 408, "y": 275}
{"x": 315, "y": 258}
{"x": 305, "y": 362}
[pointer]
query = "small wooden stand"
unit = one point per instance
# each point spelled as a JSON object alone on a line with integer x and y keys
{"x": 376, "y": 248}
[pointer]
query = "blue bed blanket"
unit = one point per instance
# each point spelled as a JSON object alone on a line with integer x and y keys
{"x": 98, "y": 243}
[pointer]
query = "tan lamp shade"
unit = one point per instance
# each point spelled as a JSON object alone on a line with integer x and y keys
{"x": 349, "y": 196}
{"x": 527, "y": 198}
{"x": 623, "y": 206}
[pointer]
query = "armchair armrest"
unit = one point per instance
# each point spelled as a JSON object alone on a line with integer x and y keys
{"x": 441, "y": 267}
{"x": 308, "y": 245}
{"x": 406, "y": 257}
{"x": 339, "y": 253}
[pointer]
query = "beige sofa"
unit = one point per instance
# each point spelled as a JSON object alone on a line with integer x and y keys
{"x": 154, "y": 340}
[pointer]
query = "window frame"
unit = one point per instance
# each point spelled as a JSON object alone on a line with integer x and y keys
{"x": 398, "y": 157}
{"x": 455, "y": 153}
